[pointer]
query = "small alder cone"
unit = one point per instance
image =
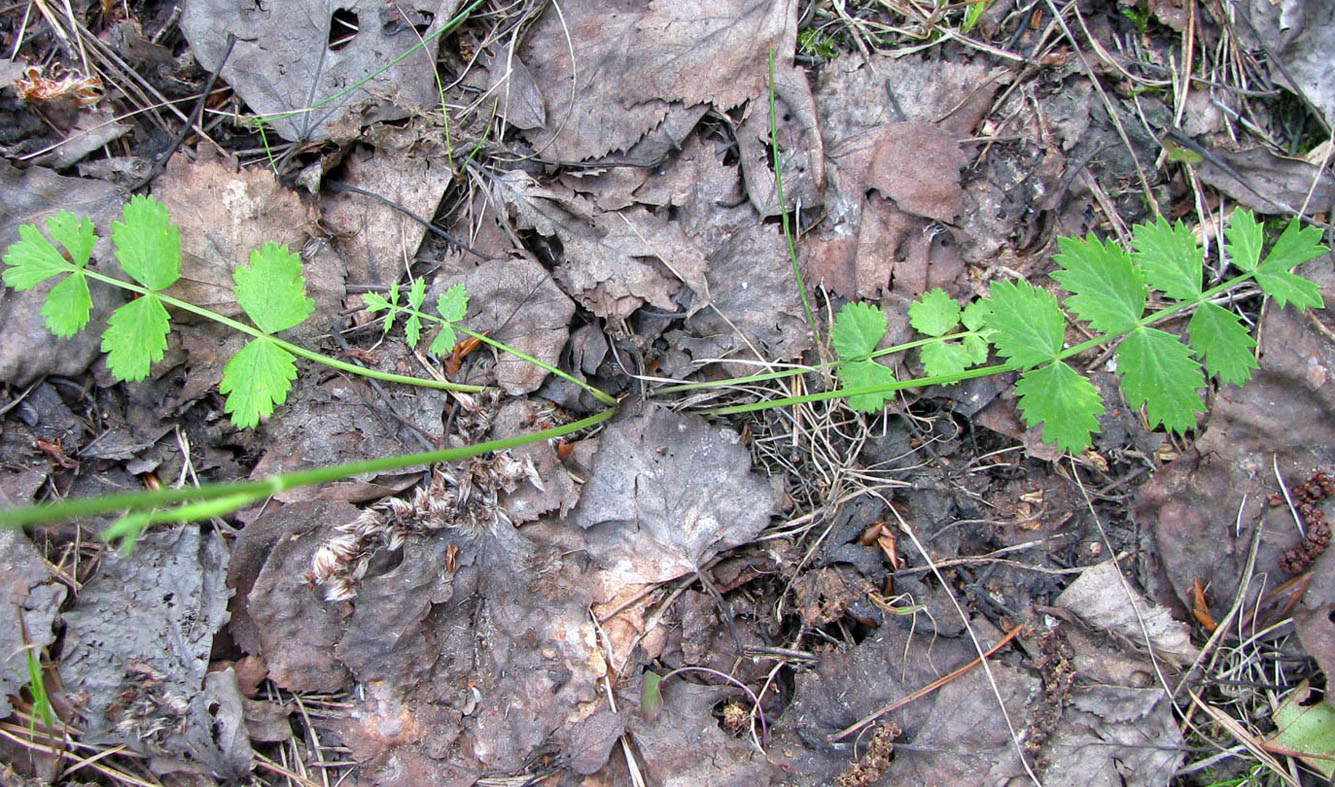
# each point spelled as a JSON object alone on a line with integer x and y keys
{"x": 1307, "y": 500}
{"x": 468, "y": 501}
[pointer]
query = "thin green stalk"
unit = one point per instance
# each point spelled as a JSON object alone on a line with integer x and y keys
{"x": 286, "y": 345}
{"x": 255, "y": 490}
{"x": 759, "y": 378}
{"x": 783, "y": 207}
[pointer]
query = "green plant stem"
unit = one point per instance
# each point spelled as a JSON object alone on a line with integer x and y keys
{"x": 286, "y": 345}
{"x": 601, "y": 396}
{"x": 783, "y": 207}
{"x": 254, "y": 490}
{"x": 758, "y": 378}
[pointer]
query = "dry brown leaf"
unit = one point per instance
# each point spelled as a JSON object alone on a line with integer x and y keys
{"x": 610, "y": 72}
{"x": 652, "y": 514}
{"x": 613, "y": 262}
{"x": 284, "y": 59}
{"x": 376, "y": 241}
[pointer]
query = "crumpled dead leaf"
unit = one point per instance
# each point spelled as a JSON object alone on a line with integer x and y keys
{"x": 1101, "y": 598}
{"x": 652, "y": 514}
{"x": 613, "y": 262}
{"x": 294, "y": 40}
{"x": 137, "y": 648}
{"x": 376, "y": 241}
{"x": 610, "y": 73}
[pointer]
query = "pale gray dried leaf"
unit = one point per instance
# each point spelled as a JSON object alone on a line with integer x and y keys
{"x": 137, "y": 645}
{"x": 1115, "y": 730}
{"x": 710, "y": 51}
{"x": 224, "y": 215}
{"x": 611, "y": 71}
{"x": 30, "y": 600}
{"x": 655, "y": 516}
{"x": 756, "y": 309}
{"x": 285, "y": 61}
{"x": 1105, "y": 600}
{"x": 376, "y": 241}
{"x": 519, "y": 304}
{"x": 481, "y": 650}
{"x": 1301, "y": 34}
{"x": 31, "y": 197}
{"x": 801, "y": 153}
{"x": 93, "y": 127}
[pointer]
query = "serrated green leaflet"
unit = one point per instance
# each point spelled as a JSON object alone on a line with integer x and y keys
{"x": 1063, "y": 401}
{"x": 272, "y": 290}
{"x": 32, "y": 260}
{"x": 862, "y": 374}
{"x": 452, "y": 305}
{"x": 1028, "y": 326}
{"x": 256, "y": 379}
{"x": 148, "y": 245}
{"x": 1106, "y": 291}
{"x": 1223, "y": 343}
{"x": 857, "y": 330}
{"x": 943, "y": 358}
{"x": 935, "y": 313}
{"x": 1296, "y": 245}
{"x": 77, "y": 235}
{"x": 68, "y": 306}
{"x": 412, "y": 330}
{"x": 136, "y": 338}
{"x": 444, "y": 342}
{"x": 1244, "y": 237}
{"x": 1158, "y": 371}
{"x": 1170, "y": 258}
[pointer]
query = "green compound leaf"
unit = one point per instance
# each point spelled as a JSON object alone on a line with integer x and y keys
{"x": 1296, "y": 245}
{"x": 68, "y": 306}
{"x": 256, "y": 379}
{"x": 453, "y": 304}
{"x": 413, "y": 328}
{"x": 1060, "y": 398}
{"x": 136, "y": 337}
{"x": 148, "y": 245}
{"x": 864, "y": 373}
{"x": 33, "y": 259}
{"x": 272, "y": 290}
{"x": 1028, "y": 326}
{"x": 1158, "y": 370}
{"x": 935, "y": 313}
{"x": 857, "y": 330}
{"x": 1223, "y": 343}
{"x": 1244, "y": 236}
{"x": 1107, "y": 291}
{"x": 1170, "y": 258}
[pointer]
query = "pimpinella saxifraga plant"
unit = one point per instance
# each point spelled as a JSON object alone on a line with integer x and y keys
{"x": 1109, "y": 289}
{"x": 270, "y": 290}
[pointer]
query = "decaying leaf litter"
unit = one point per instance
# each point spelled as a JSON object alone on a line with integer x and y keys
{"x": 604, "y": 188}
